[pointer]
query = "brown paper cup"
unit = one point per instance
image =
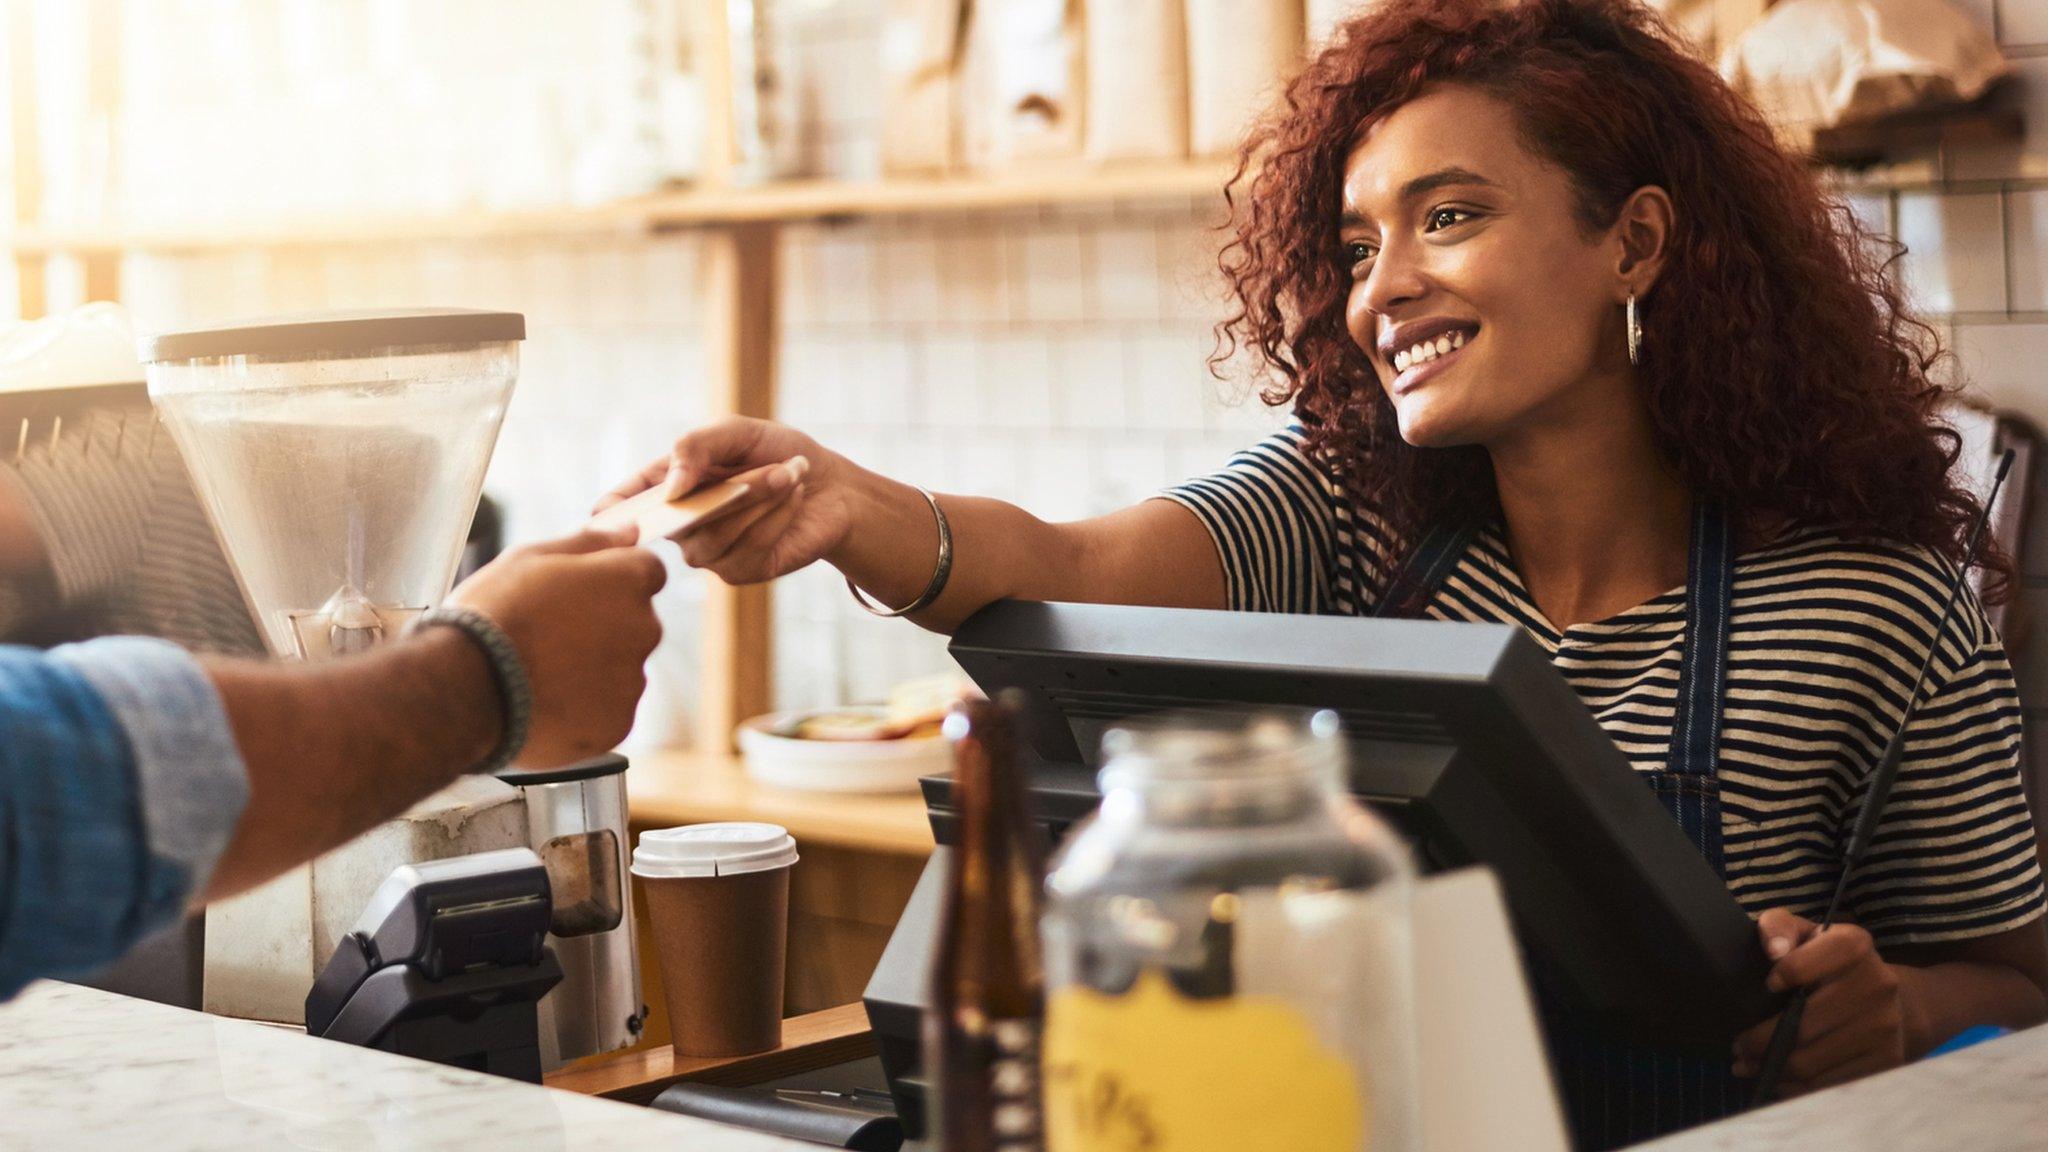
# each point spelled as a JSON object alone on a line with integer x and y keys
{"x": 723, "y": 942}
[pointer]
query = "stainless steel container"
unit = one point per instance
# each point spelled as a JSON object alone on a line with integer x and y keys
{"x": 576, "y": 818}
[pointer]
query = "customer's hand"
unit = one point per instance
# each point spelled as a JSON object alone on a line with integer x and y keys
{"x": 796, "y": 509}
{"x": 580, "y": 610}
{"x": 1855, "y": 1019}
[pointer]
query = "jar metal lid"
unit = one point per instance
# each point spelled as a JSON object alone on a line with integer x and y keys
{"x": 723, "y": 849}
{"x": 314, "y": 334}
{"x": 1222, "y": 747}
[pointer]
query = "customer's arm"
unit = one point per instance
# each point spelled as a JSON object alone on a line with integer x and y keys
{"x": 333, "y": 749}
{"x": 133, "y": 777}
{"x": 882, "y": 533}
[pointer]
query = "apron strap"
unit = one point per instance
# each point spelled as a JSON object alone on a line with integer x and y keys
{"x": 1621, "y": 1093}
{"x": 1690, "y": 782}
{"x": 1618, "y": 1093}
{"x": 1416, "y": 581}
{"x": 1710, "y": 583}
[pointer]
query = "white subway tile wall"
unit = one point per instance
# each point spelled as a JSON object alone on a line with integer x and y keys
{"x": 2005, "y": 363}
{"x": 2026, "y": 232}
{"x": 2023, "y": 24}
{"x": 2005, "y": 357}
{"x": 1955, "y": 251}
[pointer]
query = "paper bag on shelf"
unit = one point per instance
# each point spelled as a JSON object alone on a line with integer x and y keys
{"x": 1137, "y": 69}
{"x": 922, "y": 44}
{"x": 1240, "y": 54}
{"x": 1812, "y": 64}
{"x": 1694, "y": 19}
{"x": 1021, "y": 87}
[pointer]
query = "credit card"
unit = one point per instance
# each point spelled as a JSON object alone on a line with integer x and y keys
{"x": 658, "y": 517}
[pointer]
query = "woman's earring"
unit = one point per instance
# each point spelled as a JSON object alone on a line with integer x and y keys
{"x": 1635, "y": 332}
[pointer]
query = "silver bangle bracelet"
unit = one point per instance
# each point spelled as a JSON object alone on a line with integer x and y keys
{"x": 507, "y": 670}
{"x": 939, "y": 575}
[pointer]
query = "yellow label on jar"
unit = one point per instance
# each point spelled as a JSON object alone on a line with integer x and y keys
{"x": 1154, "y": 1071}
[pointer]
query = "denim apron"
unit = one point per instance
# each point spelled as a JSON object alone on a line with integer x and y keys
{"x": 1614, "y": 1093}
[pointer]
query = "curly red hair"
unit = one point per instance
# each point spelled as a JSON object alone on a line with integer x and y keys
{"x": 1782, "y": 372}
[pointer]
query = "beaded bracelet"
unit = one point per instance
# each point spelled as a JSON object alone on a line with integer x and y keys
{"x": 507, "y": 669}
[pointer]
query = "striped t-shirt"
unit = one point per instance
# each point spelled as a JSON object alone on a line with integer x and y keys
{"x": 1826, "y": 636}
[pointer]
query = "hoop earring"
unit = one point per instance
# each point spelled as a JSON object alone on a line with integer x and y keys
{"x": 1635, "y": 332}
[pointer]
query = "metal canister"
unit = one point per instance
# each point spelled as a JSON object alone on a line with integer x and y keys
{"x": 576, "y": 818}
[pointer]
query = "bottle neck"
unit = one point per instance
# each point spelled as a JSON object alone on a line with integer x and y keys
{"x": 1224, "y": 772}
{"x": 988, "y": 795}
{"x": 989, "y": 922}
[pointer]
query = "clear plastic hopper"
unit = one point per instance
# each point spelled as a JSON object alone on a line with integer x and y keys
{"x": 340, "y": 458}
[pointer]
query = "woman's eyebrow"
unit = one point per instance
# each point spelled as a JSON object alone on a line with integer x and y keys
{"x": 1441, "y": 178}
{"x": 1422, "y": 186}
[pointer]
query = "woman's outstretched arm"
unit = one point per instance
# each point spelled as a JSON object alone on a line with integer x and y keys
{"x": 807, "y": 503}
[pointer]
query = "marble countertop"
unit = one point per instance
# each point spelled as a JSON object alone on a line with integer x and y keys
{"x": 84, "y": 1069}
{"x": 1990, "y": 1097}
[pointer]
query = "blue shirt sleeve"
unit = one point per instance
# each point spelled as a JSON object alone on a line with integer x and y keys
{"x": 120, "y": 784}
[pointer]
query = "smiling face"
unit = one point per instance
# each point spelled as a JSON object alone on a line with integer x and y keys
{"x": 1486, "y": 306}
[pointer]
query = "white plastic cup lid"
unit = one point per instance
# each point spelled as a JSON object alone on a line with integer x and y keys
{"x": 726, "y": 849}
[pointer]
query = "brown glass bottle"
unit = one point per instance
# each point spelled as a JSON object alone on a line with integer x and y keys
{"x": 986, "y": 1008}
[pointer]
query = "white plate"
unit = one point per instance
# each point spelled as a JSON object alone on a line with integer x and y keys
{"x": 839, "y": 765}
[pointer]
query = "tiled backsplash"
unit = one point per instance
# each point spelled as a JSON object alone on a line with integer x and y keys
{"x": 1977, "y": 235}
{"x": 1055, "y": 359}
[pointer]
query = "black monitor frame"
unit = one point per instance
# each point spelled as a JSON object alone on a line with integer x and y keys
{"x": 1464, "y": 735}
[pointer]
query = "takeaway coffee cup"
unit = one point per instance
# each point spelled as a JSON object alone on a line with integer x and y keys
{"x": 718, "y": 908}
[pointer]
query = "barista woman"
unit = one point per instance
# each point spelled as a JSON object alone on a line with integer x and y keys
{"x": 1571, "y": 343}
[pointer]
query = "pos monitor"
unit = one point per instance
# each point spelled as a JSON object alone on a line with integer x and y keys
{"x": 1463, "y": 735}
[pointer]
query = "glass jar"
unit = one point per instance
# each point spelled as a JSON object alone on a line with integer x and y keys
{"x": 1227, "y": 949}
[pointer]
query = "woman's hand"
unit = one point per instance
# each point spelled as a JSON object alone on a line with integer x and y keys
{"x": 1856, "y": 1014}
{"x": 795, "y": 510}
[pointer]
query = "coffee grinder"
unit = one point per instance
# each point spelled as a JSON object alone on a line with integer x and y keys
{"x": 340, "y": 458}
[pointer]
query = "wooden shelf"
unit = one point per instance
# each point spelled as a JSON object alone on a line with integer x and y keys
{"x": 795, "y": 201}
{"x": 668, "y": 788}
{"x": 1991, "y": 118}
{"x": 782, "y": 202}
{"x": 817, "y": 1040}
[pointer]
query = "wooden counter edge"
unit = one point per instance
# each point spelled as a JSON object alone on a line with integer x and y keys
{"x": 816, "y": 1040}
